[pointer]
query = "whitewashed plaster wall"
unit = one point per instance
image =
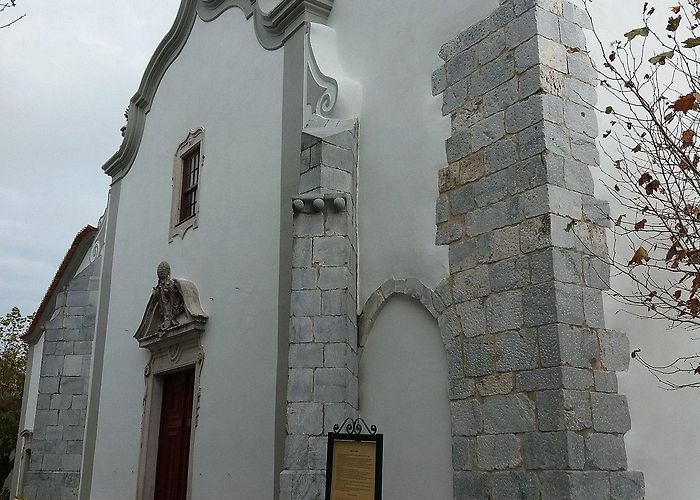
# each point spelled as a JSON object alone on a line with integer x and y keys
{"x": 383, "y": 55}
{"x": 33, "y": 388}
{"x": 403, "y": 391}
{"x": 227, "y": 83}
{"x": 390, "y": 48}
{"x": 664, "y": 442}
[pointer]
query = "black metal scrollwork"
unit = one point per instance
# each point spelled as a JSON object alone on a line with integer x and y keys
{"x": 355, "y": 426}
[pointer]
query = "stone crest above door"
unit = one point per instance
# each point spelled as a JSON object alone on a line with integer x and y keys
{"x": 173, "y": 312}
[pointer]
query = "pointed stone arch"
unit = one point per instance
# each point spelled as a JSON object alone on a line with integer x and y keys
{"x": 411, "y": 287}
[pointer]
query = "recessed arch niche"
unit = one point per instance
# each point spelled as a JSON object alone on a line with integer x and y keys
{"x": 403, "y": 382}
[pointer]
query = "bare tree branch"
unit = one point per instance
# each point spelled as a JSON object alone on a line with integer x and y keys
{"x": 13, "y": 22}
{"x": 652, "y": 76}
{"x": 7, "y": 5}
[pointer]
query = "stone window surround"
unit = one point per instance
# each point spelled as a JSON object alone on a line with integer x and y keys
{"x": 24, "y": 459}
{"x": 194, "y": 139}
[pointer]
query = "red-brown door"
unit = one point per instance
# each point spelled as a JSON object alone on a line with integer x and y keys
{"x": 174, "y": 436}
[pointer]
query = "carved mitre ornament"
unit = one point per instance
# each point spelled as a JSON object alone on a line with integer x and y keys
{"x": 173, "y": 310}
{"x": 169, "y": 298}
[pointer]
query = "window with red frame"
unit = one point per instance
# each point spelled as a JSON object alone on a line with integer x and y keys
{"x": 190, "y": 182}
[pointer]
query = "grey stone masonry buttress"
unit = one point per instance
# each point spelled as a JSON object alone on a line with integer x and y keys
{"x": 59, "y": 423}
{"x": 322, "y": 387}
{"x": 535, "y": 409}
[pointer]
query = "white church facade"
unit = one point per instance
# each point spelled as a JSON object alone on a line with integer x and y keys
{"x": 323, "y": 210}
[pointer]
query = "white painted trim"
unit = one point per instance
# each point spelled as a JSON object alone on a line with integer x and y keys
{"x": 98, "y": 346}
{"x": 17, "y": 472}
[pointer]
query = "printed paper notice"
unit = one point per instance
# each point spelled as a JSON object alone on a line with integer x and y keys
{"x": 354, "y": 469}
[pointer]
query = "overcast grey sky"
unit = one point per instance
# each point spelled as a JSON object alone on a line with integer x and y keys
{"x": 67, "y": 72}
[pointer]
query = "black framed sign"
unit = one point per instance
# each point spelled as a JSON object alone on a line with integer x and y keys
{"x": 354, "y": 458}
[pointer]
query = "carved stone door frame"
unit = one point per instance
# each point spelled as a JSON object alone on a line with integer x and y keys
{"x": 169, "y": 357}
{"x": 171, "y": 330}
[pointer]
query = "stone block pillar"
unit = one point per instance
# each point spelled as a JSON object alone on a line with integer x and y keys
{"x": 59, "y": 423}
{"x": 322, "y": 388}
{"x": 533, "y": 389}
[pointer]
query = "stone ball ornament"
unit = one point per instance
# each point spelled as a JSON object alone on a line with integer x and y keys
{"x": 306, "y": 203}
{"x": 339, "y": 203}
{"x": 319, "y": 204}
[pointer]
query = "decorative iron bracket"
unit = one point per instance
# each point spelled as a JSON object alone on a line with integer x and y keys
{"x": 354, "y": 427}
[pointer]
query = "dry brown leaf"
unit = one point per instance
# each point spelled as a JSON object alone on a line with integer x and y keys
{"x": 694, "y": 306}
{"x": 687, "y": 139}
{"x": 684, "y": 103}
{"x": 646, "y": 177}
{"x": 696, "y": 285}
{"x": 653, "y": 186}
{"x": 693, "y": 257}
{"x": 640, "y": 257}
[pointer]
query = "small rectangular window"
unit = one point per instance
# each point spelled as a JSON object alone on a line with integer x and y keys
{"x": 190, "y": 181}
{"x": 188, "y": 164}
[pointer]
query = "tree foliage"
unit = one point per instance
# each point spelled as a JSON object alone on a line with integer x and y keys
{"x": 652, "y": 75}
{"x": 13, "y": 360}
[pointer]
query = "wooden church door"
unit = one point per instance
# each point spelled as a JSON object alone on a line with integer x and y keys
{"x": 174, "y": 436}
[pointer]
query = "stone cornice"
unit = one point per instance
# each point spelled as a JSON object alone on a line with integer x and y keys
{"x": 272, "y": 30}
{"x": 287, "y": 17}
{"x": 208, "y": 10}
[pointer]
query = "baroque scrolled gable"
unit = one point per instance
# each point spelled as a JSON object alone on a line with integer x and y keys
{"x": 173, "y": 310}
{"x": 272, "y": 30}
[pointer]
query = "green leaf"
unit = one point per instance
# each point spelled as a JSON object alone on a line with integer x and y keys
{"x": 13, "y": 356}
{"x": 661, "y": 58}
{"x": 631, "y": 35}
{"x": 609, "y": 110}
{"x": 691, "y": 43}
